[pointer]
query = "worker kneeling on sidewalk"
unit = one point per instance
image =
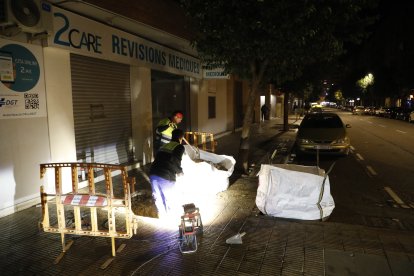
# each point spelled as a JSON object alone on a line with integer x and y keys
{"x": 163, "y": 172}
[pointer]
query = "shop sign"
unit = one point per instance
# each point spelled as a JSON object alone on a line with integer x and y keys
{"x": 84, "y": 36}
{"x": 214, "y": 71}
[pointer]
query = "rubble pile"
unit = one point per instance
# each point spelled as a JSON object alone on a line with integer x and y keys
{"x": 142, "y": 204}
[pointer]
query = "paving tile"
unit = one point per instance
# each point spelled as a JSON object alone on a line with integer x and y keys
{"x": 272, "y": 246}
{"x": 236, "y": 253}
{"x": 219, "y": 250}
{"x": 225, "y": 271}
{"x": 268, "y": 270}
{"x": 402, "y": 267}
{"x": 392, "y": 246}
{"x": 314, "y": 254}
{"x": 292, "y": 264}
{"x": 231, "y": 264}
{"x": 274, "y": 255}
{"x": 291, "y": 272}
{"x": 254, "y": 256}
{"x": 250, "y": 267}
{"x": 411, "y": 256}
{"x": 314, "y": 268}
{"x": 344, "y": 263}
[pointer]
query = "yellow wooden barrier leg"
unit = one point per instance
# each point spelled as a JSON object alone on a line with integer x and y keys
{"x": 113, "y": 246}
{"x": 109, "y": 260}
{"x": 62, "y": 236}
{"x": 65, "y": 247}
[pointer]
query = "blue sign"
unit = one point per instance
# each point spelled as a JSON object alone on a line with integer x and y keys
{"x": 26, "y": 70}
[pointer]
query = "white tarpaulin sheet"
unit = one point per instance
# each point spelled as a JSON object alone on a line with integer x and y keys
{"x": 200, "y": 176}
{"x": 294, "y": 191}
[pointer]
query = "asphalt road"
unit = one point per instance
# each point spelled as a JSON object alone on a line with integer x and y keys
{"x": 374, "y": 184}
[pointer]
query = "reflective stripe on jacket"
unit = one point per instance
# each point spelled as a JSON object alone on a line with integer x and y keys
{"x": 164, "y": 133}
{"x": 169, "y": 148}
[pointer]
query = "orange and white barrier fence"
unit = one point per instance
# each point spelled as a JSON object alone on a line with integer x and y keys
{"x": 201, "y": 140}
{"x": 108, "y": 215}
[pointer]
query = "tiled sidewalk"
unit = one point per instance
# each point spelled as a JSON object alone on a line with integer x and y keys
{"x": 271, "y": 246}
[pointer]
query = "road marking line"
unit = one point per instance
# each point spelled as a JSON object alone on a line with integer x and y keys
{"x": 352, "y": 148}
{"x": 400, "y": 131}
{"x": 371, "y": 170}
{"x": 395, "y": 197}
{"x": 369, "y": 122}
{"x": 382, "y": 126}
{"x": 359, "y": 156}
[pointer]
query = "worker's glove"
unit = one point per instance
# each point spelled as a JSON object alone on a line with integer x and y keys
{"x": 171, "y": 125}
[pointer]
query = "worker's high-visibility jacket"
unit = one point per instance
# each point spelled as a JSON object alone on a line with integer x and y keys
{"x": 167, "y": 161}
{"x": 163, "y": 132}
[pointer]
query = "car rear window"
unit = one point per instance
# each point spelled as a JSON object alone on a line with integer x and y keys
{"x": 321, "y": 122}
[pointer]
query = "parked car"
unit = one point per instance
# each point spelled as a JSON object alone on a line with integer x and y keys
{"x": 411, "y": 117}
{"x": 324, "y": 132}
{"x": 380, "y": 111}
{"x": 358, "y": 110}
{"x": 348, "y": 108}
{"x": 403, "y": 114}
{"x": 315, "y": 109}
{"x": 391, "y": 112}
{"x": 369, "y": 110}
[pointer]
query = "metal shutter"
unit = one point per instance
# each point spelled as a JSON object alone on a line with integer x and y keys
{"x": 102, "y": 110}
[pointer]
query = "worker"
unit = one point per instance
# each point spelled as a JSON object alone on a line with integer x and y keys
{"x": 164, "y": 129}
{"x": 163, "y": 172}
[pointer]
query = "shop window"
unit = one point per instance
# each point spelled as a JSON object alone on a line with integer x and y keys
{"x": 211, "y": 107}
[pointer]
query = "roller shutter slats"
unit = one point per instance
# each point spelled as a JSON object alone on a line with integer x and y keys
{"x": 102, "y": 109}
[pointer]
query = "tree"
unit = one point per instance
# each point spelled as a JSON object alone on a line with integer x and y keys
{"x": 271, "y": 41}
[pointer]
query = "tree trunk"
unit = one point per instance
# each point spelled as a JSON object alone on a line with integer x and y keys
{"x": 257, "y": 76}
{"x": 243, "y": 160}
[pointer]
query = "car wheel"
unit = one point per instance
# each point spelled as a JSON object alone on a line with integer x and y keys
{"x": 346, "y": 152}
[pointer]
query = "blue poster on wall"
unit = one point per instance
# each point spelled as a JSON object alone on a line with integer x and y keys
{"x": 22, "y": 91}
{"x": 26, "y": 71}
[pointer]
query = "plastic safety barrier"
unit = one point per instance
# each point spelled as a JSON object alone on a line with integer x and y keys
{"x": 101, "y": 208}
{"x": 202, "y": 140}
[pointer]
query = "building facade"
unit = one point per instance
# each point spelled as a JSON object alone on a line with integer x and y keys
{"x": 77, "y": 89}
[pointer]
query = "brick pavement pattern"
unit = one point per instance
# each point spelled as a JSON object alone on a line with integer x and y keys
{"x": 271, "y": 246}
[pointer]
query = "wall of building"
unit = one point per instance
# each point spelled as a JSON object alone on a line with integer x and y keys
{"x": 218, "y": 89}
{"x": 166, "y": 15}
{"x": 141, "y": 108}
{"x": 28, "y": 142}
{"x": 230, "y": 105}
{"x": 24, "y": 145}
{"x": 24, "y": 139}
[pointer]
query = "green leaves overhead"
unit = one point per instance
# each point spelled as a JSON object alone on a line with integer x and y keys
{"x": 286, "y": 35}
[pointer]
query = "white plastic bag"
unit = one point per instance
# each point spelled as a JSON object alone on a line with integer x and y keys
{"x": 202, "y": 178}
{"x": 294, "y": 191}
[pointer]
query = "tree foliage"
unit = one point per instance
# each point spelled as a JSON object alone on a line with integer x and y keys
{"x": 273, "y": 41}
{"x": 283, "y": 36}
